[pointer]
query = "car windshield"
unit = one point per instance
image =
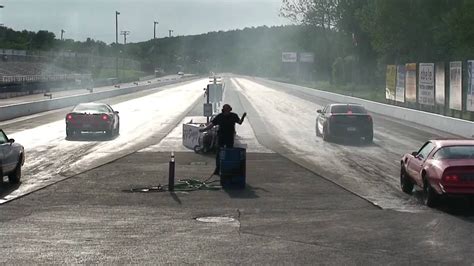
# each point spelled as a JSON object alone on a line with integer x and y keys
{"x": 342, "y": 109}
{"x": 455, "y": 152}
{"x": 91, "y": 108}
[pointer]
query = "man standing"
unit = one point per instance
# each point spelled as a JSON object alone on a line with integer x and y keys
{"x": 225, "y": 134}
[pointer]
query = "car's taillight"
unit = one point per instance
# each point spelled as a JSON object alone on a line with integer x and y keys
{"x": 451, "y": 178}
{"x": 105, "y": 117}
{"x": 69, "y": 117}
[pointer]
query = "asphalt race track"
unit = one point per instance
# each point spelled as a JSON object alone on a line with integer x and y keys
{"x": 279, "y": 132}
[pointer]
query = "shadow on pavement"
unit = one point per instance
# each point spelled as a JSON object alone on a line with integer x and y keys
{"x": 175, "y": 198}
{"x": 353, "y": 143}
{"x": 248, "y": 192}
{"x": 92, "y": 137}
{"x": 7, "y": 188}
{"x": 462, "y": 207}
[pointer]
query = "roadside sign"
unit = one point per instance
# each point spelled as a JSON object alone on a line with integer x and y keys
{"x": 400, "y": 90}
{"x": 440, "y": 83}
{"x": 426, "y": 93}
{"x": 215, "y": 92}
{"x": 190, "y": 135}
{"x": 391, "y": 77}
{"x": 289, "y": 57}
{"x": 307, "y": 57}
{"x": 207, "y": 109}
{"x": 470, "y": 88}
{"x": 455, "y": 85}
{"x": 410, "y": 82}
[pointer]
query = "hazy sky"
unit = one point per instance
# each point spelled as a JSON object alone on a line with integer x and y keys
{"x": 96, "y": 18}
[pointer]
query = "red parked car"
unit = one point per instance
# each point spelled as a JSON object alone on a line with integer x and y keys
{"x": 92, "y": 117}
{"x": 440, "y": 168}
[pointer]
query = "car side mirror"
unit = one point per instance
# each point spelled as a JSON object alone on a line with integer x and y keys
{"x": 319, "y": 111}
{"x": 11, "y": 141}
{"x": 117, "y": 112}
{"x": 414, "y": 153}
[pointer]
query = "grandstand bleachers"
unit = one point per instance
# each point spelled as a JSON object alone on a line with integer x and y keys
{"x": 21, "y": 72}
{"x": 29, "y": 68}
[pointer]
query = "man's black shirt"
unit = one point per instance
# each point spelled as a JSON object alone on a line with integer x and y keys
{"x": 226, "y": 123}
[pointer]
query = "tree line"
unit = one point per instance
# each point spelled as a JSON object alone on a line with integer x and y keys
{"x": 391, "y": 31}
{"x": 352, "y": 41}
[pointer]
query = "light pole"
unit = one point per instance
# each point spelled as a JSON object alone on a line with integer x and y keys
{"x": 116, "y": 26}
{"x": 1, "y": 7}
{"x": 154, "y": 29}
{"x": 62, "y": 34}
{"x": 116, "y": 43}
{"x": 170, "y": 32}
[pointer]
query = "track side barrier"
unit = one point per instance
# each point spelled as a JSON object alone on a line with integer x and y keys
{"x": 29, "y": 108}
{"x": 452, "y": 125}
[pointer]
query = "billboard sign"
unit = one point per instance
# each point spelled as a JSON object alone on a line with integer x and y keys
{"x": 410, "y": 82}
{"x": 391, "y": 82}
{"x": 470, "y": 88}
{"x": 426, "y": 84}
{"x": 400, "y": 90}
{"x": 289, "y": 57}
{"x": 440, "y": 83}
{"x": 307, "y": 57}
{"x": 455, "y": 85}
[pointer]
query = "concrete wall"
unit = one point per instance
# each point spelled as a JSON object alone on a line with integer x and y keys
{"x": 29, "y": 108}
{"x": 455, "y": 126}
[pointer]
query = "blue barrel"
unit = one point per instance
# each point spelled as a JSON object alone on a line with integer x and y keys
{"x": 232, "y": 167}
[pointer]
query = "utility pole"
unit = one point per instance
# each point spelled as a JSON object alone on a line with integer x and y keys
{"x": 1, "y": 7}
{"x": 116, "y": 26}
{"x": 154, "y": 29}
{"x": 125, "y": 33}
{"x": 62, "y": 34}
{"x": 170, "y": 33}
{"x": 116, "y": 43}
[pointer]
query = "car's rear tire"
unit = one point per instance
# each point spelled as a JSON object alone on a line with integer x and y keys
{"x": 326, "y": 136}
{"x": 14, "y": 178}
{"x": 318, "y": 133}
{"x": 430, "y": 197}
{"x": 117, "y": 130}
{"x": 69, "y": 132}
{"x": 405, "y": 182}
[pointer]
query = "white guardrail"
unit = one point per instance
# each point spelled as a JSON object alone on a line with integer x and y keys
{"x": 30, "y": 78}
{"x": 22, "y": 109}
{"x": 451, "y": 125}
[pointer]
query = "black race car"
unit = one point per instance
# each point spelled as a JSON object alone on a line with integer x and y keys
{"x": 350, "y": 121}
{"x": 92, "y": 117}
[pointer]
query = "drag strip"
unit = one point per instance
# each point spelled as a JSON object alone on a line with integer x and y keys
{"x": 143, "y": 121}
{"x": 371, "y": 171}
